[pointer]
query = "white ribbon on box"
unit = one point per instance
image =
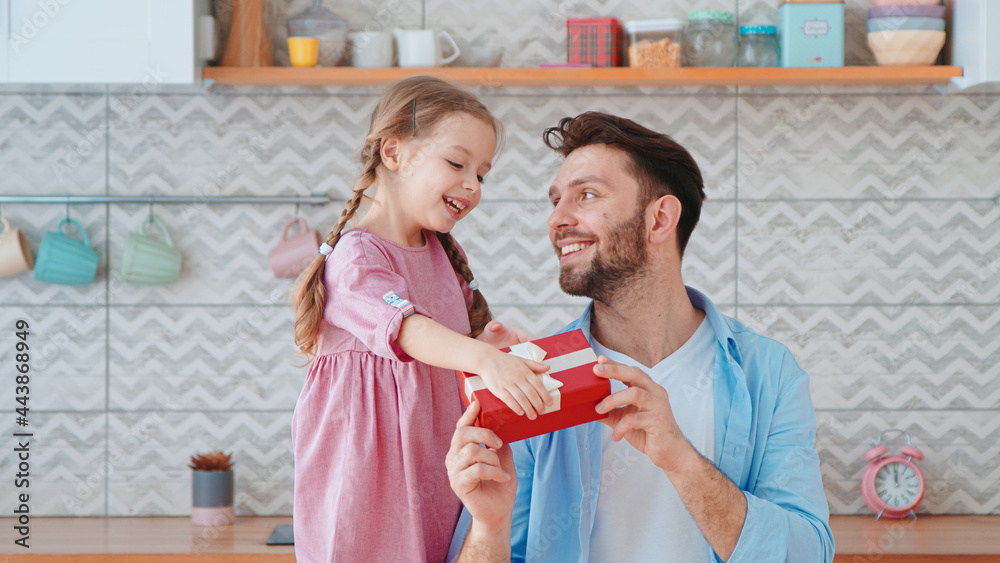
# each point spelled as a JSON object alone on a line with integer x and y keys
{"x": 531, "y": 351}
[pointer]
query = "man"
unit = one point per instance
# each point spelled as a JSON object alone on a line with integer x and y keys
{"x": 718, "y": 461}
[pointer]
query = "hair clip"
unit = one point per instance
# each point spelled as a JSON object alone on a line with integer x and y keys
{"x": 414, "y": 130}
{"x": 473, "y": 285}
{"x": 325, "y": 249}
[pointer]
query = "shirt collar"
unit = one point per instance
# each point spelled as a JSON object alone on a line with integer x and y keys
{"x": 722, "y": 330}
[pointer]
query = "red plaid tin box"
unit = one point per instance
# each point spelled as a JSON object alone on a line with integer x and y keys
{"x": 594, "y": 41}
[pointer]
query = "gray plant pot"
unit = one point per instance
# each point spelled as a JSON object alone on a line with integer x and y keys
{"x": 212, "y": 498}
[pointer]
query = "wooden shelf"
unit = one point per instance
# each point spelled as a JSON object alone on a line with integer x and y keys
{"x": 348, "y": 76}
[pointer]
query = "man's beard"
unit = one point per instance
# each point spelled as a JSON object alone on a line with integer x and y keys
{"x": 620, "y": 259}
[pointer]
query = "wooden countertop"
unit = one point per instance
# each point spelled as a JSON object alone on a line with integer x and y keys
{"x": 154, "y": 540}
{"x": 928, "y": 539}
{"x": 938, "y": 539}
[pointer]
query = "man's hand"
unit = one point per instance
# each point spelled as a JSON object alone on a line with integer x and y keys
{"x": 642, "y": 415}
{"x": 484, "y": 478}
{"x": 503, "y": 335}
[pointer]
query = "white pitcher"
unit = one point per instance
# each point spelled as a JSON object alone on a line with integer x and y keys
{"x": 422, "y": 47}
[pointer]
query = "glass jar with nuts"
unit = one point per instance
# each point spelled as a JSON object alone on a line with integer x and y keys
{"x": 654, "y": 43}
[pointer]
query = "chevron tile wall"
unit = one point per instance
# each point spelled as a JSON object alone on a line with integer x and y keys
{"x": 705, "y": 124}
{"x": 863, "y": 147}
{"x": 149, "y": 452}
{"x": 68, "y": 474}
{"x": 203, "y": 357}
{"x": 51, "y": 145}
{"x": 67, "y": 346}
{"x": 253, "y": 145}
{"x": 857, "y": 225}
{"x": 846, "y": 252}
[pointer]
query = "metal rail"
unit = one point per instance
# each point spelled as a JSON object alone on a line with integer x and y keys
{"x": 315, "y": 199}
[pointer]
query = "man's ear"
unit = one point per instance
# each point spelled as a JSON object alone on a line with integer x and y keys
{"x": 390, "y": 152}
{"x": 665, "y": 213}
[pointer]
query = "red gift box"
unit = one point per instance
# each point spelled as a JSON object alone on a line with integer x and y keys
{"x": 594, "y": 41}
{"x": 578, "y": 391}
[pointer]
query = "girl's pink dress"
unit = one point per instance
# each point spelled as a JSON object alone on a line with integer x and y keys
{"x": 372, "y": 426}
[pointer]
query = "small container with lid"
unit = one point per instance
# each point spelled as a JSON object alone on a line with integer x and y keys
{"x": 319, "y": 22}
{"x": 654, "y": 43}
{"x": 758, "y": 46}
{"x": 709, "y": 39}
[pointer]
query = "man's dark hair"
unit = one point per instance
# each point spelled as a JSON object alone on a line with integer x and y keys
{"x": 660, "y": 165}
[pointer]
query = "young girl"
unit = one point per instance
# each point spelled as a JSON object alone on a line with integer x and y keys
{"x": 385, "y": 313}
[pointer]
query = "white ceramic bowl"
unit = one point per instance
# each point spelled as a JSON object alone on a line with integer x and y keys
{"x": 906, "y": 47}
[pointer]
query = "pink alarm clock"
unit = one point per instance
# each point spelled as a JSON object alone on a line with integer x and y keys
{"x": 892, "y": 485}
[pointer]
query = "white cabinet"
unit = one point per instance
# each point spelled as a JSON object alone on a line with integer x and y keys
{"x": 974, "y": 42}
{"x": 4, "y": 6}
{"x": 101, "y": 41}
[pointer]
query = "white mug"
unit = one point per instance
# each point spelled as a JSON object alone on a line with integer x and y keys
{"x": 422, "y": 47}
{"x": 371, "y": 49}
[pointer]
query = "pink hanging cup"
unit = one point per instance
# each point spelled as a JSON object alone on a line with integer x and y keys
{"x": 292, "y": 255}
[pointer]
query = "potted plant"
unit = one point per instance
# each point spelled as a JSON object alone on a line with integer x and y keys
{"x": 212, "y": 489}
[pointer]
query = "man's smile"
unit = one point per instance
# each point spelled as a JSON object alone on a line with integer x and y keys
{"x": 567, "y": 250}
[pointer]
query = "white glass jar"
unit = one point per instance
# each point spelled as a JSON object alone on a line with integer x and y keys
{"x": 654, "y": 43}
{"x": 709, "y": 39}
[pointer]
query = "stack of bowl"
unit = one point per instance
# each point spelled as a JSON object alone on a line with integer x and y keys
{"x": 906, "y": 32}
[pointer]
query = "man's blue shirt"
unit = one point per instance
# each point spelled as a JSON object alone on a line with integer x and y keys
{"x": 765, "y": 431}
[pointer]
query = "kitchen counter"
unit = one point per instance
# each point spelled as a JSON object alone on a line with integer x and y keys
{"x": 938, "y": 539}
{"x": 146, "y": 539}
{"x": 928, "y": 539}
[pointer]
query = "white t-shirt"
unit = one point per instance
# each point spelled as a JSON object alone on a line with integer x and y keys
{"x": 639, "y": 515}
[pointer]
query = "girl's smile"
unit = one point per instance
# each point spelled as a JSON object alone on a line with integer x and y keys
{"x": 456, "y": 205}
{"x": 432, "y": 180}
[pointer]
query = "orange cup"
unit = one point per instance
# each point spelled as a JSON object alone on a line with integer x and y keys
{"x": 303, "y": 51}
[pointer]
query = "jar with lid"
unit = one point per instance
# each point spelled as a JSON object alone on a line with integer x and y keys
{"x": 758, "y": 46}
{"x": 319, "y": 22}
{"x": 709, "y": 39}
{"x": 654, "y": 43}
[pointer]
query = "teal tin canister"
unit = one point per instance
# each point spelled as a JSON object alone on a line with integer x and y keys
{"x": 811, "y": 35}
{"x": 64, "y": 260}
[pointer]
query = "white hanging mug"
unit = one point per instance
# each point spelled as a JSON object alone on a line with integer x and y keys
{"x": 15, "y": 254}
{"x": 422, "y": 47}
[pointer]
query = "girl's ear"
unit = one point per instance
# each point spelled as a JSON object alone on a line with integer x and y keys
{"x": 390, "y": 153}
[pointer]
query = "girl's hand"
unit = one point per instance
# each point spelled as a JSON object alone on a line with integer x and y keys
{"x": 514, "y": 381}
{"x": 502, "y": 335}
